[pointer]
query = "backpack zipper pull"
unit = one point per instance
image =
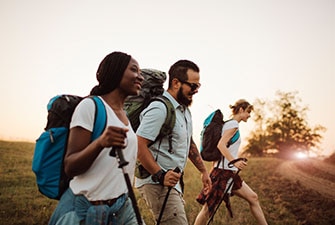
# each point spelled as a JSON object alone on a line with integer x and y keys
{"x": 51, "y": 137}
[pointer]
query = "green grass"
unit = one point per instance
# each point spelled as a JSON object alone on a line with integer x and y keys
{"x": 21, "y": 203}
{"x": 283, "y": 202}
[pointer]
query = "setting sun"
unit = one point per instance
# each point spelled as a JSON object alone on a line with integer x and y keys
{"x": 301, "y": 155}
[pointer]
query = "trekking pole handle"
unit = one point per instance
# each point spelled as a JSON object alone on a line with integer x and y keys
{"x": 176, "y": 170}
{"x": 231, "y": 163}
{"x": 117, "y": 151}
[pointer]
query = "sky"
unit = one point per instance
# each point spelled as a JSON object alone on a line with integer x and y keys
{"x": 245, "y": 49}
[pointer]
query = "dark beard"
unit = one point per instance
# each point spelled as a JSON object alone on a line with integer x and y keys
{"x": 181, "y": 98}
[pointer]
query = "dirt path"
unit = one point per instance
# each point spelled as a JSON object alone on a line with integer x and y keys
{"x": 326, "y": 167}
{"x": 325, "y": 187}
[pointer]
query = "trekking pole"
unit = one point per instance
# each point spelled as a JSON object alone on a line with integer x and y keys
{"x": 117, "y": 151}
{"x": 177, "y": 170}
{"x": 230, "y": 164}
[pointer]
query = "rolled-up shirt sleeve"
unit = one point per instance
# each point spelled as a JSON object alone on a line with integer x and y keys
{"x": 152, "y": 119}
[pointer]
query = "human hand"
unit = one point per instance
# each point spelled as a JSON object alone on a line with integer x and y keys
{"x": 172, "y": 177}
{"x": 114, "y": 136}
{"x": 240, "y": 164}
{"x": 206, "y": 181}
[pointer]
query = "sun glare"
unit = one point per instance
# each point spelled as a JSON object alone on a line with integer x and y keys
{"x": 301, "y": 155}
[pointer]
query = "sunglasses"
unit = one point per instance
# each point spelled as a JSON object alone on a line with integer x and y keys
{"x": 193, "y": 86}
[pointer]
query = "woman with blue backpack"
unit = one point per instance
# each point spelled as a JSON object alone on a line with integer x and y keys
{"x": 224, "y": 174}
{"x": 98, "y": 193}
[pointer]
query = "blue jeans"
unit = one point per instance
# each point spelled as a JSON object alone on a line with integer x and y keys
{"x": 77, "y": 210}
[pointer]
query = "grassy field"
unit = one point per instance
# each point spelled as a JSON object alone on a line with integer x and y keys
{"x": 283, "y": 202}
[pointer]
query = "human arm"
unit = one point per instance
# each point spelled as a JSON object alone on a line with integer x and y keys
{"x": 81, "y": 152}
{"x": 222, "y": 146}
{"x": 169, "y": 178}
{"x": 152, "y": 119}
{"x": 145, "y": 156}
{"x": 195, "y": 158}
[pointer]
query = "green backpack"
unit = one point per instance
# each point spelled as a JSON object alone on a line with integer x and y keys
{"x": 152, "y": 90}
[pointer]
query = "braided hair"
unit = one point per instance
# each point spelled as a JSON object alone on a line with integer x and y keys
{"x": 110, "y": 72}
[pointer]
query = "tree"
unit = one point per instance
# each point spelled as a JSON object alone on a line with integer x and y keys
{"x": 281, "y": 125}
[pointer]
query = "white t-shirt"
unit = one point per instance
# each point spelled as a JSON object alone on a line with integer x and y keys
{"x": 104, "y": 179}
{"x": 231, "y": 124}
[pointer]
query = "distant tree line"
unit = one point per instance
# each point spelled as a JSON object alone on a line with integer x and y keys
{"x": 281, "y": 128}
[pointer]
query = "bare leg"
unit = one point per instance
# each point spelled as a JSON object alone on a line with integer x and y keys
{"x": 251, "y": 197}
{"x": 203, "y": 216}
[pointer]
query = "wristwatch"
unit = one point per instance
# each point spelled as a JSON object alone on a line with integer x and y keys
{"x": 157, "y": 177}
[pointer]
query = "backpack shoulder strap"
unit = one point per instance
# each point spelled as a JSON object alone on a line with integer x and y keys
{"x": 170, "y": 119}
{"x": 100, "y": 117}
{"x": 234, "y": 138}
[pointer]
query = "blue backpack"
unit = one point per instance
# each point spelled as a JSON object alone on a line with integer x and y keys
{"x": 50, "y": 147}
{"x": 211, "y": 135}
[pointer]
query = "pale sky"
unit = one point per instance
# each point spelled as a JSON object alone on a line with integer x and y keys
{"x": 244, "y": 48}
